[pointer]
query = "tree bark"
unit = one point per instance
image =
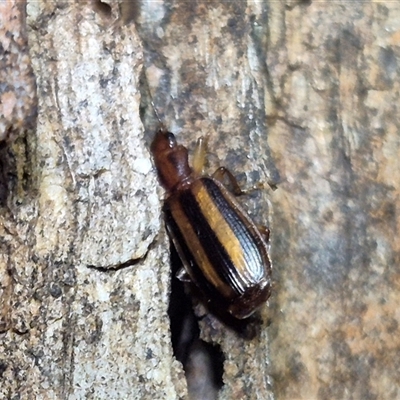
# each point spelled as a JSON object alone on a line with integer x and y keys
{"x": 296, "y": 94}
{"x": 85, "y": 280}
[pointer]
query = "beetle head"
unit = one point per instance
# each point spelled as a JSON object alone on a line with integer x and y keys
{"x": 170, "y": 158}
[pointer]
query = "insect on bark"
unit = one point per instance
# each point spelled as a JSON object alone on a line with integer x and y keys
{"x": 223, "y": 252}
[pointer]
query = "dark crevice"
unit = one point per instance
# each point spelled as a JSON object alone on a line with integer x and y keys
{"x": 292, "y": 124}
{"x": 20, "y": 332}
{"x": 3, "y": 367}
{"x": 299, "y": 3}
{"x": 202, "y": 362}
{"x": 102, "y": 8}
{"x": 126, "y": 264}
{"x": 4, "y": 185}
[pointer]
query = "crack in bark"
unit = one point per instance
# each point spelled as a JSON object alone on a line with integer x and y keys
{"x": 123, "y": 265}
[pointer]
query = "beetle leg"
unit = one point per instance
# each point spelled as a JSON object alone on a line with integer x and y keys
{"x": 199, "y": 156}
{"x": 183, "y": 276}
{"x": 222, "y": 172}
{"x": 264, "y": 230}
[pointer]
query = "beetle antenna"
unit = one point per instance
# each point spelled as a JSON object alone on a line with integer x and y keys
{"x": 149, "y": 96}
{"x": 130, "y": 13}
{"x": 154, "y": 107}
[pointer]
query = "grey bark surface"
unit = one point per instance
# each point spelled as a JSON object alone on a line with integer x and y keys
{"x": 84, "y": 283}
{"x": 299, "y": 94}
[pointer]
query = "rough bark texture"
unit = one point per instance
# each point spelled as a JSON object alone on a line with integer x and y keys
{"x": 17, "y": 90}
{"x": 205, "y": 65}
{"x": 84, "y": 282}
{"x": 300, "y": 94}
{"x": 334, "y": 71}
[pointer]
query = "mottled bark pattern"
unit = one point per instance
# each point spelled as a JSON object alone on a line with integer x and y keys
{"x": 84, "y": 285}
{"x": 296, "y": 93}
{"x": 334, "y": 70}
{"x": 17, "y": 83}
{"x": 205, "y": 65}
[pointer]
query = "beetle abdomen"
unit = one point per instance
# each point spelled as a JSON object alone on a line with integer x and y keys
{"x": 223, "y": 252}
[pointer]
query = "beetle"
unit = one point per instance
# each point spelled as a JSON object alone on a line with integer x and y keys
{"x": 222, "y": 251}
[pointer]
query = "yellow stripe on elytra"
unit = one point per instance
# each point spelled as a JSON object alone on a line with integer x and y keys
{"x": 224, "y": 233}
{"x": 196, "y": 249}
